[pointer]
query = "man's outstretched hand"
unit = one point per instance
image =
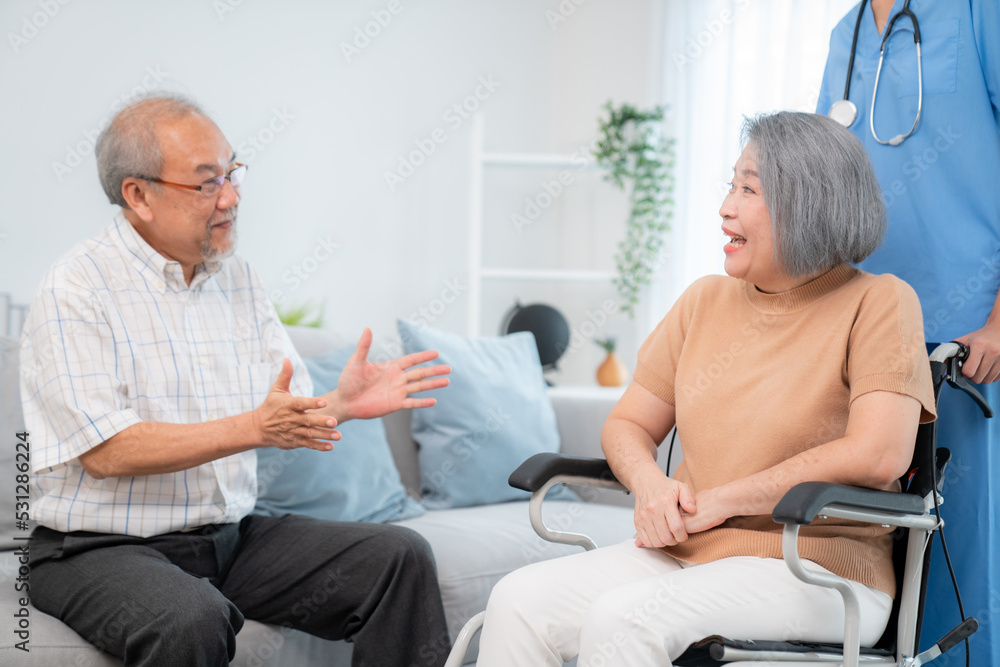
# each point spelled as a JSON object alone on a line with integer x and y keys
{"x": 285, "y": 421}
{"x": 367, "y": 390}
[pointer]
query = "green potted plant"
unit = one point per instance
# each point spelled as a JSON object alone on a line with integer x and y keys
{"x": 633, "y": 149}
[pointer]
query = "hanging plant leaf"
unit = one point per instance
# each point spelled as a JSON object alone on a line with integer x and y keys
{"x": 632, "y": 148}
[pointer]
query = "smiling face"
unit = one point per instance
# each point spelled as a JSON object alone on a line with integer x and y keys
{"x": 750, "y": 253}
{"x": 184, "y": 225}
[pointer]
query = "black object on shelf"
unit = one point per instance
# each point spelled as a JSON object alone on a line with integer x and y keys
{"x": 550, "y": 328}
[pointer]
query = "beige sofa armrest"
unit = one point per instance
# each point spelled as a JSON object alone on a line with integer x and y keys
{"x": 580, "y": 414}
{"x": 312, "y": 342}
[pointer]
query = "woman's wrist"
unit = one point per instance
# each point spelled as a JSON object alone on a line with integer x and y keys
{"x": 649, "y": 478}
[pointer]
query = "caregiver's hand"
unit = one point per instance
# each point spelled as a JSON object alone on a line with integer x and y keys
{"x": 983, "y": 364}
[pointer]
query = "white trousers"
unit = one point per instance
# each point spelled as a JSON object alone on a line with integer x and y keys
{"x": 624, "y": 605}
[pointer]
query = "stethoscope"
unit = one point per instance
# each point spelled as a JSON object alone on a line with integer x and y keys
{"x": 844, "y": 112}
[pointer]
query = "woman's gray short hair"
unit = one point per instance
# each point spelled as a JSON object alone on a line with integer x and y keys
{"x": 128, "y": 148}
{"x": 818, "y": 184}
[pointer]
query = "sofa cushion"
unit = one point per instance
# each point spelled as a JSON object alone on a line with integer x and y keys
{"x": 12, "y": 422}
{"x": 404, "y": 450}
{"x": 357, "y": 481}
{"x": 54, "y": 644}
{"x": 474, "y": 547}
{"x": 494, "y": 414}
{"x": 51, "y": 642}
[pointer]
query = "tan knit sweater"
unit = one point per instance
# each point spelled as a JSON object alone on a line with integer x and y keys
{"x": 758, "y": 378}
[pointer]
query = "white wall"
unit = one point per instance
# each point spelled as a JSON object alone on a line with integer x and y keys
{"x": 327, "y": 130}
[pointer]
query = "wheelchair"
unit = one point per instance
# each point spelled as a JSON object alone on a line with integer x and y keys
{"x": 914, "y": 512}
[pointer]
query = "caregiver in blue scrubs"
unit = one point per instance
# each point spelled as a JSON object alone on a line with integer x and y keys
{"x": 942, "y": 190}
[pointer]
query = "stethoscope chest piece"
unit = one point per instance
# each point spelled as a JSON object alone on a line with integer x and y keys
{"x": 844, "y": 112}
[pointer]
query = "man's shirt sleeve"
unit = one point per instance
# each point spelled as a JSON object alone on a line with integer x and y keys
{"x": 74, "y": 396}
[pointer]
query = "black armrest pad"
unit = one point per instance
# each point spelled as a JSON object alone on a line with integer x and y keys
{"x": 804, "y": 501}
{"x": 540, "y": 468}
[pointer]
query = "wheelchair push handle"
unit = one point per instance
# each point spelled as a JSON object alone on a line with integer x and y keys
{"x": 952, "y": 355}
{"x": 963, "y": 630}
{"x": 953, "y": 350}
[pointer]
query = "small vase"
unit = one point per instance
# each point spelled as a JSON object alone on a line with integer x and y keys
{"x": 612, "y": 373}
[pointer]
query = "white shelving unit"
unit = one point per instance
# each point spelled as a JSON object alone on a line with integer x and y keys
{"x": 12, "y": 316}
{"x": 479, "y": 161}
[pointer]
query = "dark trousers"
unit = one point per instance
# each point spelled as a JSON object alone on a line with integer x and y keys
{"x": 180, "y": 598}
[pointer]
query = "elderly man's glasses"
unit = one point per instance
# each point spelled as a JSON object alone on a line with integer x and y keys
{"x": 211, "y": 186}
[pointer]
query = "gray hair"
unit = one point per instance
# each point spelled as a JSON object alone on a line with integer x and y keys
{"x": 818, "y": 184}
{"x": 128, "y": 148}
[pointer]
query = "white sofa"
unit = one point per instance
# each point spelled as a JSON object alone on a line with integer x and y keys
{"x": 473, "y": 547}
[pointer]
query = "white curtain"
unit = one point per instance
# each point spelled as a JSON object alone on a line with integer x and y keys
{"x": 723, "y": 60}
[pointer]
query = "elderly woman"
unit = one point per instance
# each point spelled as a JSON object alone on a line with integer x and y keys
{"x": 796, "y": 367}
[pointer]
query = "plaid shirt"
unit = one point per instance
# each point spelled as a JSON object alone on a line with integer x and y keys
{"x": 115, "y": 337}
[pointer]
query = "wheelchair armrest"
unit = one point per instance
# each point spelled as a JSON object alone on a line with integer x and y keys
{"x": 540, "y": 468}
{"x": 541, "y": 471}
{"x": 803, "y": 502}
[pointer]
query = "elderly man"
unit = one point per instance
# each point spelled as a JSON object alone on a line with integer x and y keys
{"x": 148, "y": 374}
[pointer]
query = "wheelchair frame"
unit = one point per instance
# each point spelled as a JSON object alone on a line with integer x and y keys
{"x": 803, "y": 503}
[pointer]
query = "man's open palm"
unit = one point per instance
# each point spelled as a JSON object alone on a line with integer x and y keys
{"x": 370, "y": 390}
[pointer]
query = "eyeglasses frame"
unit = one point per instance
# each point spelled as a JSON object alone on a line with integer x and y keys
{"x": 200, "y": 188}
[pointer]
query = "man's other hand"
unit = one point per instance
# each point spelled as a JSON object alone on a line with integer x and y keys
{"x": 282, "y": 420}
{"x": 367, "y": 390}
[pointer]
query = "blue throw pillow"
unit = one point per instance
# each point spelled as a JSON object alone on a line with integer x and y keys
{"x": 495, "y": 413}
{"x": 357, "y": 481}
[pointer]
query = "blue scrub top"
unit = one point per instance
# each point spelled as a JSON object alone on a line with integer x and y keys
{"x": 942, "y": 191}
{"x": 942, "y": 184}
